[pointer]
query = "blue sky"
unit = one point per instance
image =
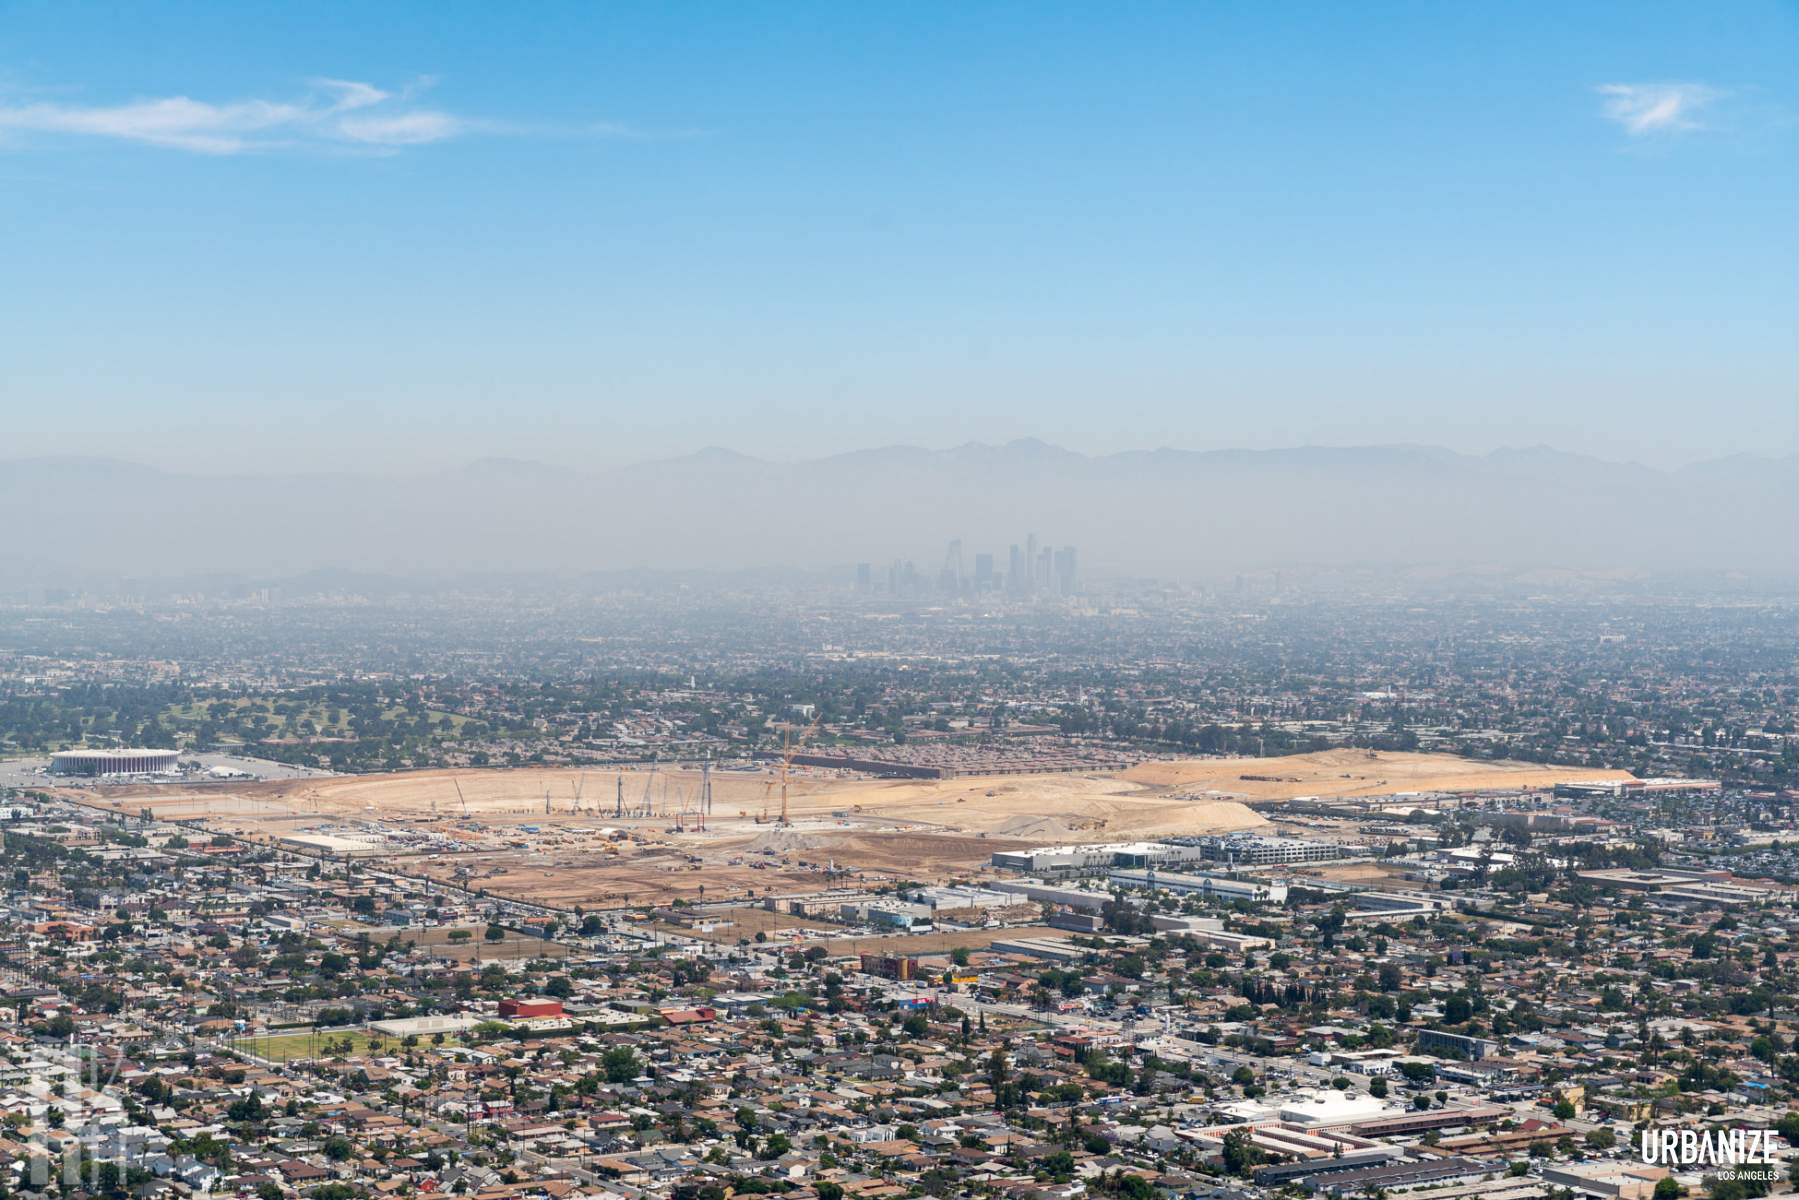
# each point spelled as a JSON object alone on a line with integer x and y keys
{"x": 398, "y": 235}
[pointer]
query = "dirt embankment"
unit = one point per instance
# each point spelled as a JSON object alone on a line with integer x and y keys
{"x": 1335, "y": 773}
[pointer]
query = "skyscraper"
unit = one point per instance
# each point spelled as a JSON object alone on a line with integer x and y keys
{"x": 950, "y": 579}
{"x": 983, "y": 573}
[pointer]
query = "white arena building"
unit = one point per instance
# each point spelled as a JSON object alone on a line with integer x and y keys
{"x": 113, "y": 762}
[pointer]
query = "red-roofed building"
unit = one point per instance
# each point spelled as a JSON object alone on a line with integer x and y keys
{"x": 534, "y": 1007}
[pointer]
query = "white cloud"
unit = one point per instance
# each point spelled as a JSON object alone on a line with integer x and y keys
{"x": 351, "y": 94}
{"x": 1644, "y": 109}
{"x": 402, "y": 129}
{"x": 335, "y": 111}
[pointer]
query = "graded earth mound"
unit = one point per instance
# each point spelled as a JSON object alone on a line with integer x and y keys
{"x": 1354, "y": 773}
{"x": 1154, "y": 799}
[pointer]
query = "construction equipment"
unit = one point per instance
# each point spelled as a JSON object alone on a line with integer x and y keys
{"x": 580, "y": 784}
{"x": 648, "y": 808}
{"x": 705, "y": 791}
{"x": 459, "y": 795}
{"x": 789, "y": 748}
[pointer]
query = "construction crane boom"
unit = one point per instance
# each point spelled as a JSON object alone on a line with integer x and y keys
{"x": 705, "y": 791}
{"x": 788, "y": 750}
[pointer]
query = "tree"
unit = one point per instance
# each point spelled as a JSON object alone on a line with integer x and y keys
{"x": 620, "y": 1064}
{"x": 496, "y": 932}
{"x": 246, "y": 1108}
{"x": 1240, "y": 1153}
{"x": 1417, "y": 1072}
{"x": 1134, "y": 1187}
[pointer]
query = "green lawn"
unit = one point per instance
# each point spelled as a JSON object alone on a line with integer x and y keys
{"x": 282, "y": 1046}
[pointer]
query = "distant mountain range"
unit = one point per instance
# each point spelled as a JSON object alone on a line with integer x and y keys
{"x": 1173, "y": 514}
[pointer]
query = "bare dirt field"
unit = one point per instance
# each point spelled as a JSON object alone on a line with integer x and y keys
{"x": 1163, "y": 797}
{"x": 1362, "y": 872}
{"x": 1336, "y": 773}
{"x": 1037, "y": 808}
{"x": 555, "y": 836}
{"x": 624, "y": 881}
{"x": 747, "y": 922}
{"x": 1034, "y": 808}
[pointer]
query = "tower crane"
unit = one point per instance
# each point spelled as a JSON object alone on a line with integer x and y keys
{"x": 705, "y": 804}
{"x": 789, "y": 747}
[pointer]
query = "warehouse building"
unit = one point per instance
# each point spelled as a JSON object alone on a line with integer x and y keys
{"x": 1255, "y": 891}
{"x": 1081, "y": 899}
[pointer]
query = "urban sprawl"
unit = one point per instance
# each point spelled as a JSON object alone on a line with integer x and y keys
{"x": 1005, "y": 882}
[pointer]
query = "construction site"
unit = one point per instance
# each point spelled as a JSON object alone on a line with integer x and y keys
{"x": 567, "y": 837}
